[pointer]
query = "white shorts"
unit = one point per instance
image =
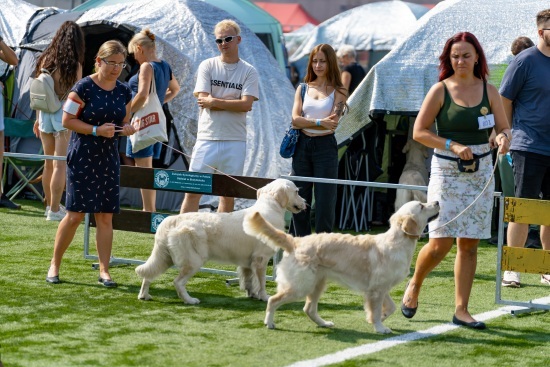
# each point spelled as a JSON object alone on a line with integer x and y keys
{"x": 218, "y": 156}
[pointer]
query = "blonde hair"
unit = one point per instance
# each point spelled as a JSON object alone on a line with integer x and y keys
{"x": 228, "y": 24}
{"x": 109, "y": 48}
{"x": 145, "y": 38}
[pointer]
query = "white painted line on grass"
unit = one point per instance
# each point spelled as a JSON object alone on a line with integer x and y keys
{"x": 366, "y": 349}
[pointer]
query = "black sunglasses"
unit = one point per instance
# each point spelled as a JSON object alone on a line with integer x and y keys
{"x": 227, "y": 39}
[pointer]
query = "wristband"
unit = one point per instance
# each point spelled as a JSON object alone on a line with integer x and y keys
{"x": 448, "y": 144}
{"x": 94, "y": 131}
{"x": 318, "y": 122}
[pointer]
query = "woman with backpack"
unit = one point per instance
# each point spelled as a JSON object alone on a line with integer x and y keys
{"x": 63, "y": 59}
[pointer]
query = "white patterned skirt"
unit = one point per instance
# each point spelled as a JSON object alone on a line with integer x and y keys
{"x": 456, "y": 190}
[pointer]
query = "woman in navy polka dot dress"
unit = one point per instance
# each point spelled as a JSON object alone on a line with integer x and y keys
{"x": 96, "y": 111}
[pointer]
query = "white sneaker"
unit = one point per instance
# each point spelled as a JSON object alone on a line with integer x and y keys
{"x": 57, "y": 216}
{"x": 511, "y": 279}
{"x": 47, "y": 211}
{"x": 545, "y": 279}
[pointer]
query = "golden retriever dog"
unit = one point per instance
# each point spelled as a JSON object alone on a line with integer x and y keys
{"x": 370, "y": 264}
{"x": 189, "y": 240}
{"x": 414, "y": 173}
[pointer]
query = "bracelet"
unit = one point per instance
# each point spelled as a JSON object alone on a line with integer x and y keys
{"x": 318, "y": 122}
{"x": 94, "y": 131}
{"x": 448, "y": 144}
{"x": 506, "y": 136}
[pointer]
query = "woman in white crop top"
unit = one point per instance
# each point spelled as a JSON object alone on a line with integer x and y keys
{"x": 316, "y": 153}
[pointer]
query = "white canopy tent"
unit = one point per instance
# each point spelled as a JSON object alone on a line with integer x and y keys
{"x": 294, "y": 39}
{"x": 375, "y": 27}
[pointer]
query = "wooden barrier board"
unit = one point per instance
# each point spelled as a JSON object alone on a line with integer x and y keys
{"x": 144, "y": 222}
{"x": 527, "y": 211}
{"x": 222, "y": 185}
{"x": 525, "y": 260}
{"x": 134, "y": 221}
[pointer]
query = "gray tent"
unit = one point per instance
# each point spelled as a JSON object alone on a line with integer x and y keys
{"x": 185, "y": 38}
{"x": 373, "y": 29}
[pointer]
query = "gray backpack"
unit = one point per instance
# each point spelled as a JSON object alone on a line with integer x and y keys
{"x": 42, "y": 93}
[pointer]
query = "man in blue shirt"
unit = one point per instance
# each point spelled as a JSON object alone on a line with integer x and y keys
{"x": 525, "y": 92}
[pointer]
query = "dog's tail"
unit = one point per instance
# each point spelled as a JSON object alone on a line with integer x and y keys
{"x": 255, "y": 225}
{"x": 159, "y": 261}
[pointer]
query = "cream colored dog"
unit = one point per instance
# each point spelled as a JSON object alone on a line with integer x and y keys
{"x": 370, "y": 264}
{"x": 414, "y": 173}
{"x": 189, "y": 240}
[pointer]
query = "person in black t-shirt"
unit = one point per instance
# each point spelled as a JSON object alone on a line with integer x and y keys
{"x": 352, "y": 72}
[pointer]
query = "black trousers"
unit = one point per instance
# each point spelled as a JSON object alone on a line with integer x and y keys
{"x": 315, "y": 157}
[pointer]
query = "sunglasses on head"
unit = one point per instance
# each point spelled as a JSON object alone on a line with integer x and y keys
{"x": 227, "y": 39}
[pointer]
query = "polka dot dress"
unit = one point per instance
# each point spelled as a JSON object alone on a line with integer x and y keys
{"x": 93, "y": 163}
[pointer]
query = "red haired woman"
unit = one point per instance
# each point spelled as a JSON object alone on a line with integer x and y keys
{"x": 465, "y": 109}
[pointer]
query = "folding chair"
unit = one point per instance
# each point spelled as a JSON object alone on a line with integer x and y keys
{"x": 25, "y": 167}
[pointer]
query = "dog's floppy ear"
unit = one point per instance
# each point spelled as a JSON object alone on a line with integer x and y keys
{"x": 281, "y": 195}
{"x": 410, "y": 226}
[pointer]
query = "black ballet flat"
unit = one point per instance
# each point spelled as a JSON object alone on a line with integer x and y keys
{"x": 109, "y": 283}
{"x": 478, "y": 325}
{"x": 408, "y": 312}
{"x": 53, "y": 280}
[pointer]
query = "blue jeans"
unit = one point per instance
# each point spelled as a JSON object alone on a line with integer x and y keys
{"x": 315, "y": 157}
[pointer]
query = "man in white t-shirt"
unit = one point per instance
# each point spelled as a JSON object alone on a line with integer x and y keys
{"x": 225, "y": 90}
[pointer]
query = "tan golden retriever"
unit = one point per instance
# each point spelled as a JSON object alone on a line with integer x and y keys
{"x": 414, "y": 173}
{"x": 189, "y": 240}
{"x": 370, "y": 264}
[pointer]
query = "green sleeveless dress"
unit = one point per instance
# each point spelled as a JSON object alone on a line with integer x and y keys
{"x": 456, "y": 190}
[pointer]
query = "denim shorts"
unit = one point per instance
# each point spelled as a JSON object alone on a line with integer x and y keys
{"x": 50, "y": 122}
{"x": 531, "y": 175}
{"x": 150, "y": 151}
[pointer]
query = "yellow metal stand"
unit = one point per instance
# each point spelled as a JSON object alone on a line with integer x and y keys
{"x": 526, "y": 211}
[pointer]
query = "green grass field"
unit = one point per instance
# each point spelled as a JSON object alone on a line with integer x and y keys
{"x": 81, "y": 323}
